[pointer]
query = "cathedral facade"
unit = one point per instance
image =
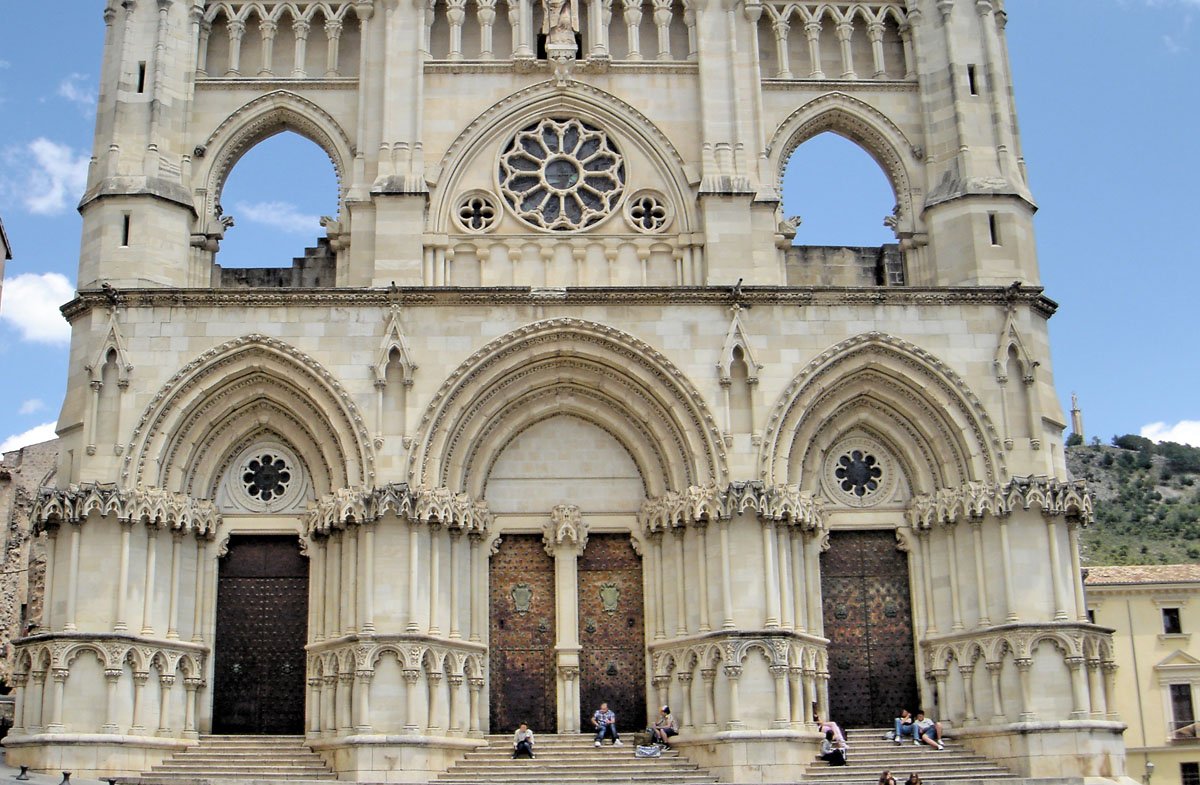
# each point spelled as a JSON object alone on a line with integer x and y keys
{"x": 557, "y": 413}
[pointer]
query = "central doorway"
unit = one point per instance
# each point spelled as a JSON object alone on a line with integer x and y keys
{"x": 258, "y": 662}
{"x": 868, "y": 620}
{"x": 612, "y": 662}
{"x": 522, "y": 635}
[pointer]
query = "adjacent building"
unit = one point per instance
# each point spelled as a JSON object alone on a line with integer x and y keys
{"x": 1154, "y": 611}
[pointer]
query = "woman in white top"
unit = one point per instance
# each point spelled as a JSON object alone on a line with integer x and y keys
{"x": 523, "y": 741}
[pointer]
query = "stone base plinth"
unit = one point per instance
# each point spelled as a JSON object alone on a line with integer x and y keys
{"x": 1052, "y": 750}
{"x": 751, "y": 756}
{"x": 386, "y": 758}
{"x": 90, "y": 755}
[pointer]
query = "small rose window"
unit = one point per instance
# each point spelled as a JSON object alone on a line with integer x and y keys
{"x": 266, "y": 477}
{"x": 858, "y": 473}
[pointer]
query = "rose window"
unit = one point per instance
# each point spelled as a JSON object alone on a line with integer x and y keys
{"x": 858, "y": 473}
{"x": 561, "y": 174}
{"x": 266, "y": 477}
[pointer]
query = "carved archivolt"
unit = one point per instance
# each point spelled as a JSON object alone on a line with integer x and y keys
{"x": 1071, "y": 640}
{"x": 153, "y": 506}
{"x": 866, "y": 126}
{"x": 415, "y": 654}
{"x": 643, "y": 399}
{"x": 237, "y": 389}
{"x": 784, "y": 504}
{"x": 262, "y": 118}
{"x": 974, "y": 500}
{"x": 356, "y": 506}
{"x": 913, "y": 401}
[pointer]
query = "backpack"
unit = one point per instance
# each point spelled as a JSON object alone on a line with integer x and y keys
{"x": 649, "y": 751}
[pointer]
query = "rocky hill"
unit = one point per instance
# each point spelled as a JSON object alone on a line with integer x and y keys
{"x": 1147, "y": 501}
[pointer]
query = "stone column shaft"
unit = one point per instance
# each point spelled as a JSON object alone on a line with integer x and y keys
{"x": 770, "y": 567}
{"x": 120, "y": 624}
{"x": 148, "y": 595}
{"x": 705, "y": 611}
{"x": 349, "y": 594}
{"x": 455, "y": 579}
{"x": 985, "y": 617}
{"x": 173, "y": 605}
{"x": 414, "y": 561}
{"x": 1010, "y": 601}
{"x": 783, "y": 551}
{"x": 955, "y": 589}
{"x": 198, "y": 600}
{"x": 682, "y": 601}
{"x": 316, "y": 626}
{"x": 726, "y": 580}
{"x": 1056, "y": 576}
{"x": 73, "y": 578}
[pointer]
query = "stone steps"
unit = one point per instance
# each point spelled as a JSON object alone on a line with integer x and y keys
{"x": 870, "y": 754}
{"x": 240, "y": 759}
{"x": 571, "y": 759}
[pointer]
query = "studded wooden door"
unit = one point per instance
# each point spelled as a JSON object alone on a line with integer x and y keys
{"x": 522, "y": 637}
{"x": 258, "y": 664}
{"x": 868, "y": 620}
{"x": 612, "y": 664}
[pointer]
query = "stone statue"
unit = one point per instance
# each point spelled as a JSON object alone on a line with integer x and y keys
{"x": 561, "y": 22}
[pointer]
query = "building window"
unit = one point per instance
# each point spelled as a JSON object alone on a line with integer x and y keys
{"x": 1183, "y": 720}
{"x": 1189, "y": 773}
{"x": 1091, "y": 614}
{"x": 1171, "y": 625}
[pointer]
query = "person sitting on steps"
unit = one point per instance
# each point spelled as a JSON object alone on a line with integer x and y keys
{"x": 905, "y": 726}
{"x": 665, "y": 727}
{"x": 605, "y": 723}
{"x": 929, "y": 731}
{"x": 523, "y": 742}
{"x": 833, "y": 752}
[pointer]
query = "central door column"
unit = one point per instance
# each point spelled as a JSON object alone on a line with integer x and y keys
{"x": 565, "y": 536}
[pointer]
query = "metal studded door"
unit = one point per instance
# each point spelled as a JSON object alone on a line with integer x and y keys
{"x": 522, "y": 637}
{"x": 612, "y": 664}
{"x": 258, "y": 664}
{"x": 868, "y": 620}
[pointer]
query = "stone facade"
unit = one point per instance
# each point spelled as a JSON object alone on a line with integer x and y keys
{"x": 564, "y": 304}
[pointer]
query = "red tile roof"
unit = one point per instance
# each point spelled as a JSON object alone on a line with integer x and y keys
{"x": 1141, "y": 573}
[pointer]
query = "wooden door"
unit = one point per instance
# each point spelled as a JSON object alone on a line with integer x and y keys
{"x": 868, "y": 620}
{"x": 522, "y": 636}
{"x": 262, "y": 618}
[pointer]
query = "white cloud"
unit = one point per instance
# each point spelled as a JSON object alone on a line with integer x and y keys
{"x": 35, "y": 435}
{"x": 4, "y": 64}
{"x": 1184, "y": 432}
{"x": 31, "y": 304}
{"x": 31, "y": 406}
{"x": 278, "y": 215}
{"x": 77, "y": 89}
{"x": 45, "y": 175}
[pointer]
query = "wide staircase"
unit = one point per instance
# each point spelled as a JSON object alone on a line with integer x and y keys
{"x": 226, "y": 759}
{"x": 870, "y": 754}
{"x": 571, "y": 759}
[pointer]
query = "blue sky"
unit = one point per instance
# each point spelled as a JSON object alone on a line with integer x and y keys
{"x": 1108, "y": 96}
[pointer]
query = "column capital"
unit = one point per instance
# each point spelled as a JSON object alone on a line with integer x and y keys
{"x": 566, "y": 529}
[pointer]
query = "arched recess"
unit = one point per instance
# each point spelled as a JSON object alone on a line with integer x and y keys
{"x": 894, "y": 392}
{"x": 497, "y": 123}
{"x": 246, "y": 389}
{"x": 871, "y": 130}
{"x": 575, "y": 367}
{"x": 262, "y": 118}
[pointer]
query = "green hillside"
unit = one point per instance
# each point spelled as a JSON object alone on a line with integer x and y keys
{"x": 1147, "y": 501}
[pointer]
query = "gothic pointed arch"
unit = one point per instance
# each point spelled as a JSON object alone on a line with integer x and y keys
{"x": 251, "y": 388}
{"x": 892, "y": 393}
{"x": 394, "y": 341}
{"x": 482, "y": 138}
{"x": 262, "y": 118}
{"x": 1008, "y": 342}
{"x": 736, "y": 338}
{"x": 113, "y": 342}
{"x": 871, "y": 130}
{"x": 581, "y": 369}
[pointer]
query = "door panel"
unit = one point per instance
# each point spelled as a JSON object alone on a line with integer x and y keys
{"x": 868, "y": 620}
{"x": 612, "y": 663}
{"x": 262, "y": 609}
{"x": 522, "y": 637}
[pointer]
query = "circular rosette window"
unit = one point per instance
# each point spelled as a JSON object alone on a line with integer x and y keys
{"x": 859, "y": 472}
{"x": 477, "y": 212}
{"x": 648, "y": 212}
{"x": 561, "y": 175}
{"x": 265, "y": 477}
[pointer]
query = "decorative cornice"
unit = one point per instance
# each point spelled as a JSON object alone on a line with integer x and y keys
{"x": 153, "y": 506}
{"x": 356, "y": 506}
{"x": 974, "y": 500}
{"x": 785, "y": 504}
{"x": 417, "y": 296}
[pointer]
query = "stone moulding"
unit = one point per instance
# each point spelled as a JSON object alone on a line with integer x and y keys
{"x": 704, "y": 503}
{"x": 974, "y": 500}
{"x": 153, "y": 506}
{"x": 415, "y": 652}
{"x": 779, "y": 647}
{"x": 55, "y": 650}
{"x": 437, "y": 296}
{"x": 358, "y": 506}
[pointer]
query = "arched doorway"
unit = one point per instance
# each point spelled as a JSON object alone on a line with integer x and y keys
{"x": 258, "y": 662}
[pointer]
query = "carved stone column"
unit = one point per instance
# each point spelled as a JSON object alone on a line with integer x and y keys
{"x": 732, "y": 674}
{"x": 956, "y": 624}
{"x": 139, "y": 702}
{"x": 56, "y": 700}
{"x": 112, "y": 679}
{"x": 414, "y": 574}
{"x": 300, "y": 29}
{"x": 435, "y": 594}
{"x": 702, "y": 575}
{"x": 1075, "y": 572}
{"x": 662, "y": 684}
{"x": 1010, "y": 602}
{"x": 771, "y": 575}
{"x": 173, "y": 599}
{"x": 809, "y": 683}
{"x": 565, "y": 537}
{"x": 812, "y": 30}
{"x": 411, "y": 678}
{"x": 37, "y": 718}
{"x": 998, "y": 714}
{"x": 266, "y": 30}
{"x": 685, "y": 687}
{"x": 18, "y": 681}
{"x": 1079, "y": 699}
{"x": 120, "y": 624}
{"x": 783, "y": 553}
{"x": 314, "y": 706}
{"x": 1096, "y": 690}
{"x": 1110, "y": 690}
{"x": 366, "y": 565}
{"x": 237, "y": 29}
{"x": 681, "y": 593}
{"x": 783, "y": 713}
{"x": 317, "y": 591}
{"x": 328, "y": 705}
{"x": 73, "y": 577}
{"x": 476, "y": 688}
{"x": 1023, "y": 665}
{"x": 433, "y": 723}
{"x": 1056, "y": 576}
{"x": 796, "y": 696}
{"x": 478, "y": 613}
{"x": 845, "y": 30}
{"x": 191, "y": 687}
{"x": 455, "y": 681}
{"x": 985, "y": 619}
{"x": 709, "y": 676}
{"x": 455, "y": 580}
{"x": 726, "y": 581}
{"x": 968, "y": 676}
{"x": 165, "y": 684}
